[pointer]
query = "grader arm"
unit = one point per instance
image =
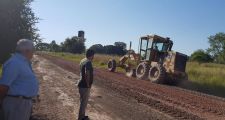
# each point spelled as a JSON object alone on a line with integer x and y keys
{"x": 131, "y": 56}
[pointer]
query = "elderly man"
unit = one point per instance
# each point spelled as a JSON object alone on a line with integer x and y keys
{"x": 18, "y": 83}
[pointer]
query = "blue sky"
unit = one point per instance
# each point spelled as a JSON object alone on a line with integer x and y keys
{"x": 187, "y": 22}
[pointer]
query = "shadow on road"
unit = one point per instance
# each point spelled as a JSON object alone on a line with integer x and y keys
{"x": 204, "y": 88}
{"x": 39, "y": 117}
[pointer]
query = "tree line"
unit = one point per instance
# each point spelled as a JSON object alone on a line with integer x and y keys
{"x": 73, "y": 45}
{"x": 76, "y": 45}
{"x": 215, "y": 53}
{"x": 119, "y": 48}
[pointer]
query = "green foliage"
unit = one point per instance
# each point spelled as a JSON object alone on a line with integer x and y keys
{"x": 68, "y": 56}
{"x": 73, "y": 45}
{"x": 98, "y": 48}
{"x": 121, "y": 45}
{"x": 42, "y": 47}
{"x": 119, "y": 48}
{"x": 17, "y": 21}
{"x": 54, "y": 47}
{"x": 201, "y": 56}
{"x": 217, "y": 47}
{"x": 207, "y": 73}
{"x": 209, "y": 77}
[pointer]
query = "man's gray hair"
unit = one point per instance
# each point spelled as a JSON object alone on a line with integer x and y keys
{"x": 24, "y": 44}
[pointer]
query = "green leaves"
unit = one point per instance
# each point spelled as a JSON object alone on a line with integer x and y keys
{"x": 201, "y": 56}
{"x": 215, "y": 53}
{"x": 217, "y": 47}
{"x": 73, "y": 45}
{"x": 17, "y": 21}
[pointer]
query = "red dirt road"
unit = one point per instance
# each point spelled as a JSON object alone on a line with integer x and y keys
{"x": 59, "y": 98}
{"x": 171, "y": 102}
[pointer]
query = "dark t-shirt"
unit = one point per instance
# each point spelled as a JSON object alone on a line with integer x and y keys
{"x": 85, "y": 65}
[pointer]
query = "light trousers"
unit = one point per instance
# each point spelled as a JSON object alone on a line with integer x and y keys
{"x": 17, "y": 108}
{"x": 84, "y": 96}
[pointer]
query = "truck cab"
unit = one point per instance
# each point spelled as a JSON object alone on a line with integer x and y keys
{"x": 153, "y": 47}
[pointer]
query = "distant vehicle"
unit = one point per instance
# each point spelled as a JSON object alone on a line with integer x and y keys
{"x": 155, "y": 61}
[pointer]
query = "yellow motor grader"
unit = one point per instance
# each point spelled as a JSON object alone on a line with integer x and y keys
{"x": 155, "y": 61}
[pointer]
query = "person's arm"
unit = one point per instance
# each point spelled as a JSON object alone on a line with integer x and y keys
{"x": 9, "y": 74}
{"x": 88, "y": 78}
{"x": 88, "y": 73}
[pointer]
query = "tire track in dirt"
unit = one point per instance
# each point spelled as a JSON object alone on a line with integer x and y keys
{"x": 181, "y": 104}
{"x": 185, "y": 100}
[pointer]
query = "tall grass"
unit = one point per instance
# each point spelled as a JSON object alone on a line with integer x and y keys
{"x": 68, "y": 56}
{"x": 209, "y": 75}
{"x": 99, "y": 61}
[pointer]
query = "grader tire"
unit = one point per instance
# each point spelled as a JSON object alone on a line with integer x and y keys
{"x": 157, "y": 74}
{"x": 130, "y": 72}
{"x": 112, "y": 65}
{"x": 142, "y": 71}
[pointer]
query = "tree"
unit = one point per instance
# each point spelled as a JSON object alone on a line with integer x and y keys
{"x": 122, "y": 45}
{"x": 54, "y": 47}
{"x": 114, "y": 50}
{"x": 109, "y": 49}
{"x": 98, "y": 48}
{"x": 17, "y": 21}
{"x": 217, "y": 47}
{"x": 119, "y": 48}
{"x": 43, "y": 47}
{"x": 201, "y": 56}
{"x": 73, "y": 45}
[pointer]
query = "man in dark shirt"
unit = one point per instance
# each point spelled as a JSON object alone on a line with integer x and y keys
{"x": 85, "y": 82}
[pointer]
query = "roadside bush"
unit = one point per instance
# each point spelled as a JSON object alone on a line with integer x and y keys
{"x": 201, "y": 56}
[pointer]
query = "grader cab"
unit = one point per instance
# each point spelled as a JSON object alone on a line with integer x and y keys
{"x": 155, "y": 61}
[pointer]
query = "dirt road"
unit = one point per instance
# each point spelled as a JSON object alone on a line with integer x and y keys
{"x": 59, "y": 98}
{"x": 115, "y": 97}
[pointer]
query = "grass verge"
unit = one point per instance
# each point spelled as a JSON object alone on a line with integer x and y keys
{"x": 207, "y": 77}
{"x": 100, "y": 61}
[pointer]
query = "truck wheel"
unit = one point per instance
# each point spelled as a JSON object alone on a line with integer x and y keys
{"x": 157, "y": 74}
{"x": 142, "y": 71}
{"x": 130, "y": 72}
{"x": 112, "y": 65}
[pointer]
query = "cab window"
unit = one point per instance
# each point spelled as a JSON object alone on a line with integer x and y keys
{"x": 144, "y": 44}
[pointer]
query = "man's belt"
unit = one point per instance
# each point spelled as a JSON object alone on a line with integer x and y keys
{"x": 19, "y": 96}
